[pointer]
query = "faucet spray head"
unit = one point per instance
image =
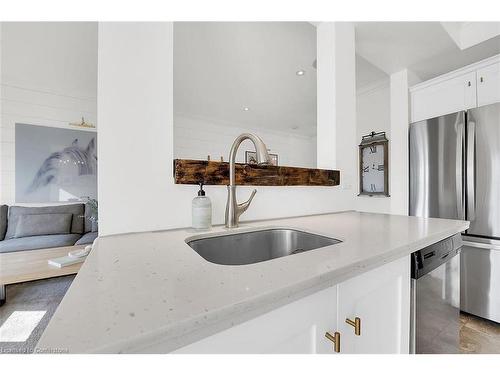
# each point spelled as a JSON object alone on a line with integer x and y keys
{"x": 263, "y": 157}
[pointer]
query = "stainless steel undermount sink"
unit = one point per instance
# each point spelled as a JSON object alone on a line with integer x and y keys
{"x": 257, "y": 246}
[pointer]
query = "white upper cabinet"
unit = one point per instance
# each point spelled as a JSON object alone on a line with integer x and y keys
{"x": 469, "y": 87}
{"x": 444, "y": 97}
{"x": 380, "y": 299}
{"x": 488, "y": 85}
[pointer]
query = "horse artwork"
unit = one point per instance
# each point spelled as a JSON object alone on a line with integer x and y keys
{"x": 54, "y": 164}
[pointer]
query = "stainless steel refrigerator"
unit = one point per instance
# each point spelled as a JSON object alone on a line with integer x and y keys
{"x": 455, "y": 174}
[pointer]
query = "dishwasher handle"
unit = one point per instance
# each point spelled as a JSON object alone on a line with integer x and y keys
{"x": 428, "y": 259}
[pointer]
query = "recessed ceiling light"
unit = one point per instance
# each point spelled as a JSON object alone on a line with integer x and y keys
{"x": 246, "y": 109}
{"x": 300, "y": 72}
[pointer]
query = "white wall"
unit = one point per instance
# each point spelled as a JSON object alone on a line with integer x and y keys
{"x": 48, "y": 78}
{"x": 384, "y": 107}
{"x": 196, "y": 138}
{"x": 135, "y": 147}
{"x": 1, "y": 123}
{"x": 373, "y": 113}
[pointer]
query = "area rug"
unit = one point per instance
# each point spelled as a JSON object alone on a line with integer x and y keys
{"x": 28, "y": 310}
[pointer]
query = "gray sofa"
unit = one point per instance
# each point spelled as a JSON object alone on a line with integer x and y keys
{"x": 30, "y": 228}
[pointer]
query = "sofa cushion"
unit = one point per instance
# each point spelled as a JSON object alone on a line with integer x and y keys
{"x": 3, "y": 220}
{"x": 38, "y": 242}
{"x": 87, "y": 239}
{"x": 75, "y": 209}
{"x": 43, "y": 224}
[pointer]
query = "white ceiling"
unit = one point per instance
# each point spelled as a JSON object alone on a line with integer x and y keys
{"x": 222, "y": 67}
{"x": 426, "y": 48}
{"x": 367, "y": 73}
{"x": 468, "y": 34}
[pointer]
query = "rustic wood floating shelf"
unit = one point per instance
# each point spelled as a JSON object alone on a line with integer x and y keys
{"x": 217, "y": 173}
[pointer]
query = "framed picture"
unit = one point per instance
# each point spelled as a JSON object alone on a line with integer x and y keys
{"x": 251, "y": 158}
{"x": 54, "y": 164}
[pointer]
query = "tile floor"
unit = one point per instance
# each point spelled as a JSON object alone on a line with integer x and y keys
{"x": 478, "y": 335}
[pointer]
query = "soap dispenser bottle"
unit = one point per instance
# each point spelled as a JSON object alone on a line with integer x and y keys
{"x": 201, "y": 210}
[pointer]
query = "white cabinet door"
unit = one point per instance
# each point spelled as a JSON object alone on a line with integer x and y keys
{"x": 381, "y": 299}
{"x": 449, "y": 96}
{"x": 298, "y": 327}
{"x": 488, "y": 85}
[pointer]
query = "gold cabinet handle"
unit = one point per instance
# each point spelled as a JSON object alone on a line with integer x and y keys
{"x": 356, "y": 324}
{"x": 335, "y": 338}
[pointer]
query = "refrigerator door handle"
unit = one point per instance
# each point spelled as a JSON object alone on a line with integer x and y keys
{"x": 459, "y": 170}
{"x": 471, "y": 173}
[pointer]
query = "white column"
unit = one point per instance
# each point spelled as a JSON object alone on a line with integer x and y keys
{"x": 135, "y": 148}
{"x": 1, "y": 120}
{"x": 398, "y": 144}
{"x": 326, "y": 95}
{"x": 336, "y": 129}
{"x": 345, "y": 103}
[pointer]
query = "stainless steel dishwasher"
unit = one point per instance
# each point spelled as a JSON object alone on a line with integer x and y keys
{"x": 435, "y": 298}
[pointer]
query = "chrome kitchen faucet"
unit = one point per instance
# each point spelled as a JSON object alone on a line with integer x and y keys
{"x": 233, "y": 208}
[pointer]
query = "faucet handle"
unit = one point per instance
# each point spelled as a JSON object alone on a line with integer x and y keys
{"x": 254, "y": 191}
{"x": 242, "y": 207}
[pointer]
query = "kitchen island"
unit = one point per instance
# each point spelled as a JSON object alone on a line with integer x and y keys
{"x": 151, "y": 293}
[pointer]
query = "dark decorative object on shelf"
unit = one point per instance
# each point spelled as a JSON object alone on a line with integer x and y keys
{"x": 374, "y": 165}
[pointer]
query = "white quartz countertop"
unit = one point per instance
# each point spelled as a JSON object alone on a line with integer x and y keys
{"x": 141, "y": 291}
